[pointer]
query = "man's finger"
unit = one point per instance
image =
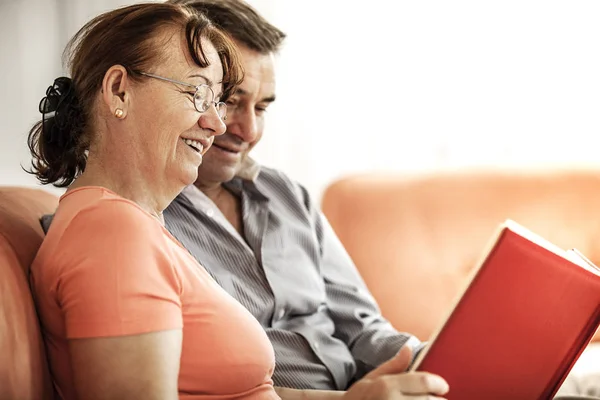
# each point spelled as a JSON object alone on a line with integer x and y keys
{"x": 422, "y": 382}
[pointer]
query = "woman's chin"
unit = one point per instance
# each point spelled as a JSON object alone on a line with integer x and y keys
{"x": 187, "y": 175}
{"x": 190, "y": 177}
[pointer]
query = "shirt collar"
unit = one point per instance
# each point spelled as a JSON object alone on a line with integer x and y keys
{"x": 244, "y": 181}
{"x": 249, "y": 170}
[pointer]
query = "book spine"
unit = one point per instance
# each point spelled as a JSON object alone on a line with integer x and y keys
{"x": 578, "y": 347}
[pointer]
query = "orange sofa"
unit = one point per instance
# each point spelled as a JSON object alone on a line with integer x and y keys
{"x": 24, "y": 373}
{"x": 415, "y": 238}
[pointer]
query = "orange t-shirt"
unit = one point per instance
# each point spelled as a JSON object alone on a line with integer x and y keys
{"x": 108, "y": 268}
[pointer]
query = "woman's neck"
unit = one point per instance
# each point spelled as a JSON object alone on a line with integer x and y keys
{"x": 129, "y": 184}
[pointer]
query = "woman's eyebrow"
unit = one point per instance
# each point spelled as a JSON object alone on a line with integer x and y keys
{"x": 206, "y": 80}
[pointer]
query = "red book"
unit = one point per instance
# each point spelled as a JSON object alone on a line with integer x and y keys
{"x": 523, "y": 319}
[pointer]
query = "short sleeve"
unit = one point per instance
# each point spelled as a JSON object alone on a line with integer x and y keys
{"x": 116, "y": 276}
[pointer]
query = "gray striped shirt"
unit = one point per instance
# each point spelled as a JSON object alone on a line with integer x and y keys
{"x": 292, "y": 273}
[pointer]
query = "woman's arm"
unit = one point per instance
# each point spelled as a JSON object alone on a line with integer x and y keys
{"x": 417, "y": 385}
{"x": 297, "y": 394}
{"x": 119, "y": 297}
{"x": 388, "y": 381}
{"x": 133, "y": 367}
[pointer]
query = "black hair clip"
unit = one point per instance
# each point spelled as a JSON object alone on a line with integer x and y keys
{"x": 56, "y": 107}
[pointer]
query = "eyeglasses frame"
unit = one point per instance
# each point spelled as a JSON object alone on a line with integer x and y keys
{"x": 217, "y": 105}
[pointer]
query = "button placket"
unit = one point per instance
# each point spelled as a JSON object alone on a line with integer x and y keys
{"x": 315, "y": 346}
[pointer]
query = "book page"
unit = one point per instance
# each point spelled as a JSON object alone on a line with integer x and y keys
{"x": 576, "y": 257}
{"x": 572, "y": 255}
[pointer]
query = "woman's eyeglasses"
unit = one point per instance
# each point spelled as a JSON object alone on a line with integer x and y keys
{"x": 203, "y": 96}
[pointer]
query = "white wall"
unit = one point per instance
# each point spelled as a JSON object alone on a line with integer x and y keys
{"x": 33, "y": 34}
{"x": 429, "y": 85}
{"x": 27, "y": 63}
{"x": 379, "y": 85}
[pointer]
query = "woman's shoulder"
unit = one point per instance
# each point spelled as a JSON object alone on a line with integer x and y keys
{"x": 95, "y": 222}
{"x": 100, "y": 206}
{"x": 96, "y": 214}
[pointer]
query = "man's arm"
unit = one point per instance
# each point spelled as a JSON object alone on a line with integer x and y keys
{"x": 358, "y": 320}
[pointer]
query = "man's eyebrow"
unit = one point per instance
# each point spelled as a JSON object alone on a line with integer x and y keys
{"x": 242, "y": 92}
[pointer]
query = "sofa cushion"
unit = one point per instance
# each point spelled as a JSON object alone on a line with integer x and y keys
{"x": 23, "y": 371}
{"x": 415, "y": 238}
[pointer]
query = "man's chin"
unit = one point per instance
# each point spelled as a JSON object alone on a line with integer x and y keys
{"x": 212, "y": 173}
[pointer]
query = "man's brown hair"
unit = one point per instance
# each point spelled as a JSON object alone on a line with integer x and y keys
{"x": 241, "y": 22}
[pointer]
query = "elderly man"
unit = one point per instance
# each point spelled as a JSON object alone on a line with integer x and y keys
{"x": 264, "y": 240}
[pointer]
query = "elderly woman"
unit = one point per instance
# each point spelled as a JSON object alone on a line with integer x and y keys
{"x": 126, "y": 311}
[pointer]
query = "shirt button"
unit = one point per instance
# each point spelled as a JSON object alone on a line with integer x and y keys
{"x": 281, "y": 313}
{"x": 210, "y": 212}
{"x": 316, "y": 347}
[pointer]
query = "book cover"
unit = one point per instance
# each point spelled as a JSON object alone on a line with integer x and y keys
{"x": 524, "y": 317}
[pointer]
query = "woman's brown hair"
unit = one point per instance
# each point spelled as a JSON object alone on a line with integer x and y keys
{"x": 125, "y": 36}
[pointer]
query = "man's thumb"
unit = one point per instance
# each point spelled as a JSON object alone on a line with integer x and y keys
{"x": 396, "y": 365}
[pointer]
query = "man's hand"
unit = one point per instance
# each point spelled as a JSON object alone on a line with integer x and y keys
{"x": 388, "y": 382}
{"x": 391, "y": 382}
{"x": 396, "y": 365}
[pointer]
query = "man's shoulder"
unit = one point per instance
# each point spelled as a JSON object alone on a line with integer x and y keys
{"x": 278, "y": 186}
{"x": 272, "y": 174}
{"x": 272, "y": 178}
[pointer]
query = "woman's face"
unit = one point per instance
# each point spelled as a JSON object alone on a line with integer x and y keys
{"x": 171, "y": 135}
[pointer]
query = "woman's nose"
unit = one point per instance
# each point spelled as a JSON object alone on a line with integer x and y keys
{"x": 211, "y": 120}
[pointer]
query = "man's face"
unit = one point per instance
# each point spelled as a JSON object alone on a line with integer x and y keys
{"x": 246, "y": 110}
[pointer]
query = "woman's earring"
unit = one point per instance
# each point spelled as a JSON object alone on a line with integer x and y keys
{"x": 119, "y": 113}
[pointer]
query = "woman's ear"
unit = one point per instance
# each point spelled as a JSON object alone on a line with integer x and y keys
{"x": 115, "y": 90}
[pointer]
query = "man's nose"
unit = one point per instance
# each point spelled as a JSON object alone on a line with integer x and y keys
{"x": 244, "y": 124}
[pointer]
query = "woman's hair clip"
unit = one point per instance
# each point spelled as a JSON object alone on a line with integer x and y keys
{"x": 58, "y": 107}
{"x": 60, "y": 91}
